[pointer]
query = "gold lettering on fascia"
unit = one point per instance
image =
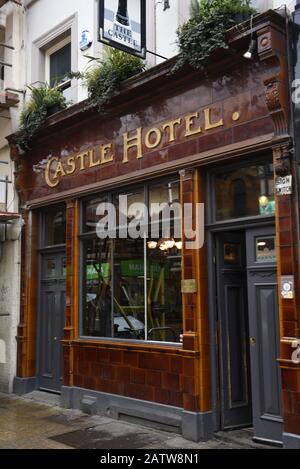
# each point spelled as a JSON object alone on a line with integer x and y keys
{"x": 135, "y": 142}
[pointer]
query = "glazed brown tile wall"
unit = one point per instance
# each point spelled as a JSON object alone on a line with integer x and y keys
{"x": 163, "y": 376}
{"x": 238, "y": 91}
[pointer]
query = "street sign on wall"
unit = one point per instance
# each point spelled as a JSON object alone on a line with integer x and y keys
{"x": 123, "y": 25}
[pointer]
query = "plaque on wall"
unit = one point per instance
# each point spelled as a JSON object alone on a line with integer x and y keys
{"x": 189, "y": 286}
{"x": 287, "y": 287}
{"x": 284, "y": 185}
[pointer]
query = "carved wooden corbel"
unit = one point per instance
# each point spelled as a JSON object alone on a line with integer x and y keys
{"x": 271, "y": 49}
{"x": 282, "y": 160}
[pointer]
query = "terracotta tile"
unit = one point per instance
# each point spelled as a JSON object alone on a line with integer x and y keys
{"x": 153, "y": 361}
{"x": 176, "y": 364}
{"x": 123, "y": 373}
{"x": 153, "y": 378}
{"x": 175, "y": 399}
{"x": 162, "y": 396}
{"x": 139, "y": 391}
{"x": 188, "y": 367}
{"x": 188, "y": 384}
{"x": 137, "y": 376}
{"x": 108, "y": 372}
{"x": 115, "y": 356}
{"x": 131, "y": 358}
{"x": 170, "y": 381}
{"x": 190, "y": 403}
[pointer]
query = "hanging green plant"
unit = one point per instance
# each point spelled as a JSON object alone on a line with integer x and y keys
{"x": 43, "y": 101}
{"x": 104, "y": 80}
{"x": 205, "y": 31}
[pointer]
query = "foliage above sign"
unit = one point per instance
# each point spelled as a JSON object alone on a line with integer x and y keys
{"x": 123, "y": 25}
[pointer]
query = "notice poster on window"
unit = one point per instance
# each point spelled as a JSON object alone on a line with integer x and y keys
{"x": 123, "y": 25}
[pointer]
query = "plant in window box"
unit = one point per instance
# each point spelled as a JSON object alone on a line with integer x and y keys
{"x": 104, "y": 80}
{"x": 44, "y": 101}
{"x": 205, "y": 31}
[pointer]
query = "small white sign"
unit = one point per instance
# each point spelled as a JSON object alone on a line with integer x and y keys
{"x": 86, "y": 40}
{"x": 122, "y": 25}
{"x": 287, "y": 287}
{"x": 284, "y": 185}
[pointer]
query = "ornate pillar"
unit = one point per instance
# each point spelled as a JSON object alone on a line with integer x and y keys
{"x": 72, "y": 289}
{"x": 25, "y": 380}
{"x": 196, "y": 376}
{"x": 272, "y": 44}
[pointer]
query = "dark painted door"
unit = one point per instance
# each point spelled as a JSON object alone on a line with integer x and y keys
{"x": 52, "y": 311}
{"x": 235, "y": 388}
{"x": 264, "y": 333}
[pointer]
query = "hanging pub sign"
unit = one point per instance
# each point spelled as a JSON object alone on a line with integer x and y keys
{"x": 123, "y": 25}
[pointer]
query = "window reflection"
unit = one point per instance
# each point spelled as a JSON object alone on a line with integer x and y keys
{"x": 55, "y": 227}
{"x": 90, "y": 217}
{"x": 129, "y": 289}
{"x": 97, "y": 295}
{"x": 245, "y": 192}
{"x": 119, "y": 300}
{"x": 164, "y": 291}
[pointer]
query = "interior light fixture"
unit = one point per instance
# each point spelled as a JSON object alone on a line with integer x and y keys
{"x": 152, "y": 244}
{"x": 179, "y": 245}
{"x": 169, "y": 243}
{"x": 261, "y": 244}
{"x": 264, "y": 201}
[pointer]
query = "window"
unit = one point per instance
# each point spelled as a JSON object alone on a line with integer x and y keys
{"x": 245, "y": 192}
{"x": 131, "y": 286}
{"x": 58, "y": 66}
{"x": 54, "y": 227}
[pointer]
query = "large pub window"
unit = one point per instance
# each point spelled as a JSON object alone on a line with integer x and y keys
{"x": 131, "y": 287}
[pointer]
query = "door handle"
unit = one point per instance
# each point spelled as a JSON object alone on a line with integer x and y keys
{"x": 253, "y": 341}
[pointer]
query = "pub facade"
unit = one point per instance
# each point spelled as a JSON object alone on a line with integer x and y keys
{"x": 193, "y": 338}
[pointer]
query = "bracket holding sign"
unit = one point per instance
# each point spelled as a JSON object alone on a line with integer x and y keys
{"x": 122, "y": 25}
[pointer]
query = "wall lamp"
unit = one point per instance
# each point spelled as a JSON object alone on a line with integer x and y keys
{"x": 253, "y": 43}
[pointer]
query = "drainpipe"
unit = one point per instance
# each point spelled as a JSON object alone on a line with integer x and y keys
{"x": 296, "y": 76}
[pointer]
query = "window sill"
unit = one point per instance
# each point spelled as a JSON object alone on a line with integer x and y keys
{"x": 175, "y": 349}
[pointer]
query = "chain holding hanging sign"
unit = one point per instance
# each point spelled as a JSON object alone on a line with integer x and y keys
{"x": 123, "y": 25}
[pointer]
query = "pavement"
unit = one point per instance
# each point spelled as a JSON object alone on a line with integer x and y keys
{"x": 37, "y": 421}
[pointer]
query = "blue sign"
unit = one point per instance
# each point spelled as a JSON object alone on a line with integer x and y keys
{"x": 86, "y": 40}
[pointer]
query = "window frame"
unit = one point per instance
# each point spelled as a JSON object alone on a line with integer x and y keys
{"x": 211, "y": 194}
{"x": 86, "y": 236}
{"x": 50, "y": 51}
{"x": 42, "y": 232}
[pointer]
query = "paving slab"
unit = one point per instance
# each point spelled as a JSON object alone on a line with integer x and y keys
{"x": 36, "y": 421}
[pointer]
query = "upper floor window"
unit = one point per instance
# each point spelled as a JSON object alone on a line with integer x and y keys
{"x": 58, "y": 66}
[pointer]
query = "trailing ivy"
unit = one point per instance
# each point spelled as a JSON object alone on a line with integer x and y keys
{"x": 104, "y": 80}
{"x": 205, "y": 31}
{"x": 35, "y": 113}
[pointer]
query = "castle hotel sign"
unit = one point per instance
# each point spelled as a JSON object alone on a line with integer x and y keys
{"x": 123, "y": 25}
{"x": 137, "y": 142}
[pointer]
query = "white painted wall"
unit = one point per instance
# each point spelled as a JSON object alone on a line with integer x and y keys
{"x": 12, "y": 18}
